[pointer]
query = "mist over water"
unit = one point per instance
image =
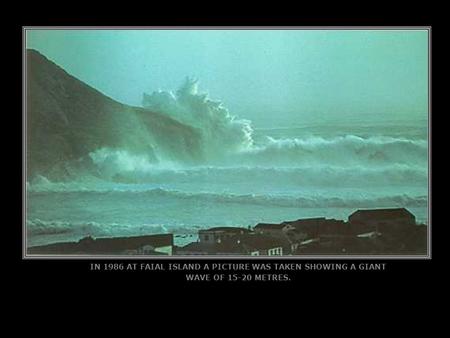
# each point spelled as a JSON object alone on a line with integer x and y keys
{"x": 222, "y": 133}
{"x": 247, "y": 175}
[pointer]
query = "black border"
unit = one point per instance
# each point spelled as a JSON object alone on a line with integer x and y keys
{"x": 398, "y": 274}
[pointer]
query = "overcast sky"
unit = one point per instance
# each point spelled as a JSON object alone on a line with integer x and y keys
{"x": 285, "y": 75}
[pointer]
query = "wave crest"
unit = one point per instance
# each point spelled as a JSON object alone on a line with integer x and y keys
{"x": 222, "y": 132}
{"x": 348, "y": 150}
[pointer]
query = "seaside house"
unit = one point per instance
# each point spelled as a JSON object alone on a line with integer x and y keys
{"x": 303, "y": 229}
{"x": 381, "y": 220}
{"x": 263, "y": 245}
{"x": 333, "y": 228}
{"x": 271, "y": 229}
{"x": 220, "y": 234}
{"x": 239, "y": 244}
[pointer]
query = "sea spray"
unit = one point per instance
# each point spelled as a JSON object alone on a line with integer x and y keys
{"x": 222, "y": 132}
{"x": 228, "y": 141}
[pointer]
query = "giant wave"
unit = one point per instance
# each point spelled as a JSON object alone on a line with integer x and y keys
{"x": 222, "y": 132}
{"x": 229, "y": 141}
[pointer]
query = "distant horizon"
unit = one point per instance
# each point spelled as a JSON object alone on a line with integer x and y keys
{"x": 303, "y": 124}
{"x": 304, "y": 87}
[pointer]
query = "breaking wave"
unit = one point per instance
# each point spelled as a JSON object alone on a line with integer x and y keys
{"x": 333, "y": 156}
{"x": 229, "y": 142}
{"x": 344, "y": 150}
{"x": 222, "y": 132}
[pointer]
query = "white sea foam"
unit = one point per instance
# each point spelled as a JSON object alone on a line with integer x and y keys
{"x": 222, "y": 132}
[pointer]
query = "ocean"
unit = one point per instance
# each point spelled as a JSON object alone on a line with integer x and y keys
{"x": 250, "y": 175}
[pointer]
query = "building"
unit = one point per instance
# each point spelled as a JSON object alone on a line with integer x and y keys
{"x": 309, "y": 228}
{"x": 333, "y": 228}
{"x": 381, "y": 220}
{"x": 303, "y": 229}
{"x": 242, "y": 244}
{"x": 196, "y": 249}
{"x": 339, "y": 246}
{"x": 271, "y": 229}
{"x": 263, "y": 245}
{"x": 220, "y": 234}
{"x": 281, "y": 231}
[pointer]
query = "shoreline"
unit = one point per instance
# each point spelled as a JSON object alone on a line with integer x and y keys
{"x": 399, "y": 235}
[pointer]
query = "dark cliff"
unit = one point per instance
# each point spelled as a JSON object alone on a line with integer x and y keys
{"x": 67, "y": 119}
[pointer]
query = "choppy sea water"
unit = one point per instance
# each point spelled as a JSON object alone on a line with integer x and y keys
{"x": 288, "y": 173}
{"x": 247, "y": 176}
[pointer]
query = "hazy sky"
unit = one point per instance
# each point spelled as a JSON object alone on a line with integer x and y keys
{"x": 285, "y": 75}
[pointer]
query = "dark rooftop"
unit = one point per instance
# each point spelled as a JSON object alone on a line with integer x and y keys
{"x": 196, "y": 247}
{"x": 305, "y": 220}
{"x": 382, "y": 213}
{"x": 269, "y": 226}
